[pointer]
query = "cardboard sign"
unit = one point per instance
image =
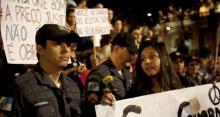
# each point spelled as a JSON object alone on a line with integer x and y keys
{"x": 189, "y": 102}
{"x": 20, "y": 21}
{"x": 90, "y": 22}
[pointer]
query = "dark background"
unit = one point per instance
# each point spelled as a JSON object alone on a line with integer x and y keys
{"x": 136, "y": 10}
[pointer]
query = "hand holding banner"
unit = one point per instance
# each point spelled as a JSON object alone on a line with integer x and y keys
{"x": 187, "y": 102}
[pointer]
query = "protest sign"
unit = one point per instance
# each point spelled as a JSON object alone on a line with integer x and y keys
{"x": 20, "y": 21}
{"x": 198, "y": 101}
{"x": 90, "y": 22}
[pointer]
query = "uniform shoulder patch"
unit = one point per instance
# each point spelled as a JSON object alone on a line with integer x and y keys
{"x": 93, "y": 86}
{"x": 93, "y": 98}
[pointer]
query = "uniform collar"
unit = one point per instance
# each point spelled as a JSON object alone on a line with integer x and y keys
{"x": 43, "y": 78}
{"x": 113, "y": 69}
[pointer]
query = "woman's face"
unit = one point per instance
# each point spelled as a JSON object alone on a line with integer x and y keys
{"x": 118, "y": 25}
{"x": 150, "y": 61}
{"x": 71, "y": 19}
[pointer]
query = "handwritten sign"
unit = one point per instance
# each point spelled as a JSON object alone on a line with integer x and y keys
{"x": 199, "y": 101}
{"x": 20, "y": 21}
{"x": 90, "y": 22}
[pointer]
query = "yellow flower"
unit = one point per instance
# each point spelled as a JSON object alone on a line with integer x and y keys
{"x": 107, "y": 80}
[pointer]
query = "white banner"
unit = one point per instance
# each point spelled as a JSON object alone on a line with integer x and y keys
{"x": 90, "y": 22}
{"x": 20, "y": 21}
{"x": 189, "y": 102}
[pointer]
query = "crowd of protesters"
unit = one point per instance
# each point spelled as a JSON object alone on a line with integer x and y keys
{"x": 137, "y": 61}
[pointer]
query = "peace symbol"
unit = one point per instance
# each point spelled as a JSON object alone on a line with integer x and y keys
{"x": 216, "y": 98}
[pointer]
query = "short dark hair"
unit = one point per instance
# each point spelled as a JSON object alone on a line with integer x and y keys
{"x": 125, "y": 40}
{"x": 183, "y": 49}
{"x": 56, "y": 33}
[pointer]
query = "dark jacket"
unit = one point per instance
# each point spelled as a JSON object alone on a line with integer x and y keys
{"x": 120, "y": 86}
{"x": 191, "y": 81}
{"x": 75, "y": 74}
{"x": 37, "y": 96}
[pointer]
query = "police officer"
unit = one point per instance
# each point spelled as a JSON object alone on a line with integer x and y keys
{"x": 97, "y": 90}
{"x": 179, "y": 62}
{"x": 46, "y": 91}
{"x": 193, "y": 75}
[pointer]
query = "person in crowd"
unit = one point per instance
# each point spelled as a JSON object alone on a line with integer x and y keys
{"x": 74, "y": 68}
{"x": 46, "y": 91}
{"x": 105, "y": 50}
{"x": 85, "y": 44}
{"x": 82, "y": 4}
{"x": 110, "y": 18}
{"x": 99, "y": 5}
{"x": 117, "y": 27}
{"x": 70, "y": 19}
{"x": 71, "y": 3}
{"x": 216, "y": 71}
{"x": 193, "y": 75}
{"x": 206, "y": 64}
{"x": 110, "y": 15}
{"x": 137, "y": 33}
{"x": 179, "y": 62}
{"x": 154, "y": 70}
{"x": 216, "y": 77}
{"x": 184, "y": 50}
{"x": 97, "y": 91}
{"x": 84, "y": 51}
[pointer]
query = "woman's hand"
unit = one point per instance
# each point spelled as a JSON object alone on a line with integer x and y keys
{"x": 108, "y": 98}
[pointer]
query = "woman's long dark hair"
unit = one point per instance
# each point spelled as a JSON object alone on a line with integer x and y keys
{"x": 167, "y": 76}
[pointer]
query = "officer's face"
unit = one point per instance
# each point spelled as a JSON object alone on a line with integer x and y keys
{"x": 55, "y": 54}
{"x": 179, "y": 65}
{"x": 193, "y": 67}
{"x": 124, "y": 55}
{"x": 150, "y": 61}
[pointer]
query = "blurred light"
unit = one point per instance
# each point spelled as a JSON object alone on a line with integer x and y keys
{"x": 168, "y": 28}
{"x": 149, "y": 14}
{"x": 204, "y": 10}
{"x": 218, "y": 8}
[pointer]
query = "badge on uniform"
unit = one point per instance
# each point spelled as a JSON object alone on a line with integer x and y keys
{"x": 6, "y": 103}
{"x": 93, "y": 86}
{"x": 93, "y": 98}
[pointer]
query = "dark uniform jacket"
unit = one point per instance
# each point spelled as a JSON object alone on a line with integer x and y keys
{"x": 120, "y": 86}
{"x": 191, "y": 81}
{"x": 37, "y": 96}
